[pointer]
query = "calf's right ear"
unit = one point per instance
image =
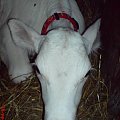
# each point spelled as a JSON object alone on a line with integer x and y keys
{"x": 24, "y": 36}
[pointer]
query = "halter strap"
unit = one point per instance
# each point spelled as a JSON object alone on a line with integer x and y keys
{"x": 57, "y": 16}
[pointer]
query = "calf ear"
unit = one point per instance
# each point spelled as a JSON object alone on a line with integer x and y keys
{"x": 24, "y": 36}
{"x": 92, "y": 37}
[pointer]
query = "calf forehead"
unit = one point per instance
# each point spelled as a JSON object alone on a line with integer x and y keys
{"x": 63, "y": 41}
{"x": 63, "y": 54}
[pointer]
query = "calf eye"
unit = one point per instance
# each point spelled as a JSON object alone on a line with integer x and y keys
{"x": 88, "y": 73}
{"x": 36, "y": 68}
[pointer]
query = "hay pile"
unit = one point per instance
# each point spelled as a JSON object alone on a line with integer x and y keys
{"x": 23, "y": 101}
{"x": 93, "y": 105}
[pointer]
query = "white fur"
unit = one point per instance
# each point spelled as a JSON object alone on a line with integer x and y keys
{"x": 62, "y": 53}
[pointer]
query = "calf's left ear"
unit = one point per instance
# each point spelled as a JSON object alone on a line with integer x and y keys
{"x": 91, "y": 37}
{"x": 24, "y": 36}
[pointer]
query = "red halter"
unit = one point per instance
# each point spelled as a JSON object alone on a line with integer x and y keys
{"x": 57, "y": 16}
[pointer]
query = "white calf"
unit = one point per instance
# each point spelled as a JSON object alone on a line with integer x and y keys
{"x": 62, "y": 51}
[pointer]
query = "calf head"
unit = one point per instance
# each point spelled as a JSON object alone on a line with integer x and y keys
{"x": 63, "y": 64}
